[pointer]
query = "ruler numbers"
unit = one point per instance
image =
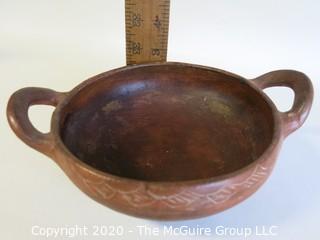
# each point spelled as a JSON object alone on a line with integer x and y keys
{"x": 147, "y": 24}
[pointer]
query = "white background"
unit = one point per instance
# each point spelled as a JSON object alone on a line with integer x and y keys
{"x": 59, "y": 43}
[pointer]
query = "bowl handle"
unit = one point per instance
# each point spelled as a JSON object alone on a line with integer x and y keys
{"x": 303, "y": 96}
{"x": 17, "y": 114}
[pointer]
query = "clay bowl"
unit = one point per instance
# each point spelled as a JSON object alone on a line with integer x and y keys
{"x": 165, "y": 140}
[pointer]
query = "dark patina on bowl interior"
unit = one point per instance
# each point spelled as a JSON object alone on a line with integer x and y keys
{"x": 168, "y": 123}
{"x": 165, "y": 140}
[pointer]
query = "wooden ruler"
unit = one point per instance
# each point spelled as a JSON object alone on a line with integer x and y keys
{"x": 147, "y": 25}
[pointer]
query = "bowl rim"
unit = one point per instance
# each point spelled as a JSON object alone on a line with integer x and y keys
{"x": 60, "y": 147}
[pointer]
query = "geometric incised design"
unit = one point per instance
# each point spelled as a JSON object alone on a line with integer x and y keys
{"x": 185, "y": 199}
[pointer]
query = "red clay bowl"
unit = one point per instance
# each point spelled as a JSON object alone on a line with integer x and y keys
{"x": 165, "y": 140}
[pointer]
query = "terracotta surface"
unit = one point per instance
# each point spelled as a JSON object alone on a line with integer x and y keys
{"x": 165, "y": 140}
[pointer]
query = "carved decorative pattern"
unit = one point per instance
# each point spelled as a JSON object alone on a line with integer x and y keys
{"x": 185, "y": 199}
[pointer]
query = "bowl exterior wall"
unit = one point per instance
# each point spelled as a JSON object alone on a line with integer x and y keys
{"x": 168, "y": 201}
{"x": 164, "y": 200}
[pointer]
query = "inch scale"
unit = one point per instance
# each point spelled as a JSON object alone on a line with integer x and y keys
{"x": 147, "y": 26}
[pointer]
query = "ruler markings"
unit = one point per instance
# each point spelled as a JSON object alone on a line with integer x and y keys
{"x": 147, "y": 24}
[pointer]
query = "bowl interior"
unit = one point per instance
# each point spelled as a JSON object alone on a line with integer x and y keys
{"x": 167, "y": 122}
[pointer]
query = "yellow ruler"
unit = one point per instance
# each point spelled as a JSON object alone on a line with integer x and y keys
{"x": 147, "y": 25}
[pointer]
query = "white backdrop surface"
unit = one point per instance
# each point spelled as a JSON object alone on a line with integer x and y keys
{"x": 57, "y": 44}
